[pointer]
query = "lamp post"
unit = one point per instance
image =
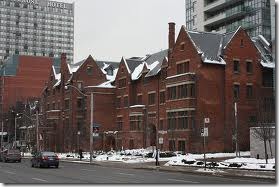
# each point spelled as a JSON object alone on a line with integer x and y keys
{"x": 91, "y": 117}
{"x": 2, "y": 106}
{"x": 16, "y": 117}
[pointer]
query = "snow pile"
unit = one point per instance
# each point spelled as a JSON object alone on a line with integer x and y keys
{"x": 196, "y": 160}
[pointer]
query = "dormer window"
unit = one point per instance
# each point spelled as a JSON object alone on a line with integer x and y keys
{"x": 110, "y": 71}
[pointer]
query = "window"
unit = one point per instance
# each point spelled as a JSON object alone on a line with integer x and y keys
{"x": 151, "y": 99}
{"x": 122, "y": 83}
{"x": 182, "y": 120}
{"x": 118, "y": 102}
{"x": 236, "y": 66}
{"x": 119, "y": 123}
{"x": 135, "y": 123}
{"x": 126, "y": 102}
{"x": 139, "y": 99}
{"x": 182, "y": 91}
{"x": 249, "y": 67}
{"x": 89, "y": 70}
{"x": 182, "y": 46}
{"x": 172, "y": 93}
{"x": 80, "y": 103}
{"x": 192, "y": 90}
{"x": 249, "y": 91}
{"x": 162, "y": 97}
{"x": 53, "y": 106}
{"x": 110, "y": 71}
{"x": 67, "y": 104}
{"x": 171, "y": 120}
{"x": 182, "y": 68}
{"x": 236, "y": 91}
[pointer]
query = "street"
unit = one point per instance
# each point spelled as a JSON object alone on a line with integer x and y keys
{"x": 72, "y": 173}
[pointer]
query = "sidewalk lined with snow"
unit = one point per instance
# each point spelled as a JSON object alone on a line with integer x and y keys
{"x": 140, "y": 156}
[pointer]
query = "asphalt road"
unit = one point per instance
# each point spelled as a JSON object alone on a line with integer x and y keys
{"x": 72, "y": 173}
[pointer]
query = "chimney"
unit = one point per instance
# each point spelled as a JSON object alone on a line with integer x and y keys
{"x": 63, "y": 57}
{"x": 171, "y": 35}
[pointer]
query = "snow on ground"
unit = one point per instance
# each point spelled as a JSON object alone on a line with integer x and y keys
{"x": 226, "y": 160}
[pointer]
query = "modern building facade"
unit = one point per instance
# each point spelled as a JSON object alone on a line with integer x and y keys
{"x": 163, "y": 98}
{"x": 225, "y": 16}
{"x": 36, "y": 28}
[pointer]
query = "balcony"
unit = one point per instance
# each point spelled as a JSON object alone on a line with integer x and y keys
{"x": 218, "y": 5}
{"x": 227, "y": 16}
{"x": 186, "y": 77}
{"x": 53, "y": 114}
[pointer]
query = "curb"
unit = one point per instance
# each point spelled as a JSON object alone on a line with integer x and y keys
{"x": 181, "y": 170}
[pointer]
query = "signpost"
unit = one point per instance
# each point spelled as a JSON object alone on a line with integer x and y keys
{"x": 161, "y": 141}
{"x": 204, "y": 133}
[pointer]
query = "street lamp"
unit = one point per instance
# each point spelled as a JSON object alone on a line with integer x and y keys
{"x": 91, "y": 118}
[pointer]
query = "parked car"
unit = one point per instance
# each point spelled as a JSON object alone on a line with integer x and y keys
{"x": 45, "y": 159}
{"x": 10, "y": 155}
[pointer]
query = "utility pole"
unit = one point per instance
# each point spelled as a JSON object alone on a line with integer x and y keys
{"x": 204, "y": 157}
{"x": 37, "y": 130}
{"x": 2, "y": 129}
{"x": 91, "y": 127}
{"x": 236, "y": 131}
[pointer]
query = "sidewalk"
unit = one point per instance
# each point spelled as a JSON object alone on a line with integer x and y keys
{"x": 185, "y": 169}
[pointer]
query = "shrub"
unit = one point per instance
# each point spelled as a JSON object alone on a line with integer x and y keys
{"x": 188, "y": 162}
{"x": 213, "y": 164}
{"x": 199, "y": 163}
{"x": 236, "y": 165}
{"x": 149, "y": 155}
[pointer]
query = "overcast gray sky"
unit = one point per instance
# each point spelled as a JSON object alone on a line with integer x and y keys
{"x": 110, "y": 29}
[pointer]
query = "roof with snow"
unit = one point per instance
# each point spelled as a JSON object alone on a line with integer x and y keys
{"x": 211, "y": 45}
{"x": 264, "y": 48}
{"x": 152, "y": 62}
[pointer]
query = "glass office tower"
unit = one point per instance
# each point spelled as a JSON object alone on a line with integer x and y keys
{"x": 37, "y": 28}
{"x": 227, "y": 15}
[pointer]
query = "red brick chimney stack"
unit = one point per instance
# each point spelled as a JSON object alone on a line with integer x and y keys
{"x": 171, "y": 35}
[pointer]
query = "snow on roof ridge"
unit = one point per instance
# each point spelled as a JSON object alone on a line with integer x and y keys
{"x": 137, "y": 72}
{"x": 129, "y": 71}
{"x": 232, "y": 36}
{"x": 262, "y": 38}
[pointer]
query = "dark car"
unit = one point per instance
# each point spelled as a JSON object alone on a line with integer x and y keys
{"x": 13, "y": 155}
{"x": 45, "y": 159}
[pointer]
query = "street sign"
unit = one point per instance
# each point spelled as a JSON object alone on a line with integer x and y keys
{"x": 206, "y": 120}
{"x": 162, "y": 132}
{"x": 161, "y": 140}
{"x": 204, "y": 132}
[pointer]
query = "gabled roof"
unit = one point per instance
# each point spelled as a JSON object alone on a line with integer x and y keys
{"x": 152, "y": 62}
{"x": 208, "y": 43}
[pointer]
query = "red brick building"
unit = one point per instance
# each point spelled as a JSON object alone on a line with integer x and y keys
{"x": 164, "y": 96}
{"x": 22, "y": 78}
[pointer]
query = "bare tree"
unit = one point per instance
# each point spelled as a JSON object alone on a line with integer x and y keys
{"x": 265, "y": 124}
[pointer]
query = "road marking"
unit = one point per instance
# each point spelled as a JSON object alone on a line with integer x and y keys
{"x": 88, "y": 170}
{"x": 9, "y": 172}
{"x": 177, "y": 180}
{"x": 39, "y": 179}
{"x": 129, "y": 174}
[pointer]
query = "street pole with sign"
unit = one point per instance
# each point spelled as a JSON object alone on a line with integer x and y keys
{"x": 204, "y": 133}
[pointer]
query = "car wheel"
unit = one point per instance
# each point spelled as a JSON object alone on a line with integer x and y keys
{"x": 56, "y": 166}
{"x": 32, "y": 165}
{"x": 5, "y": 160}
{"x": 19, "y": 161}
